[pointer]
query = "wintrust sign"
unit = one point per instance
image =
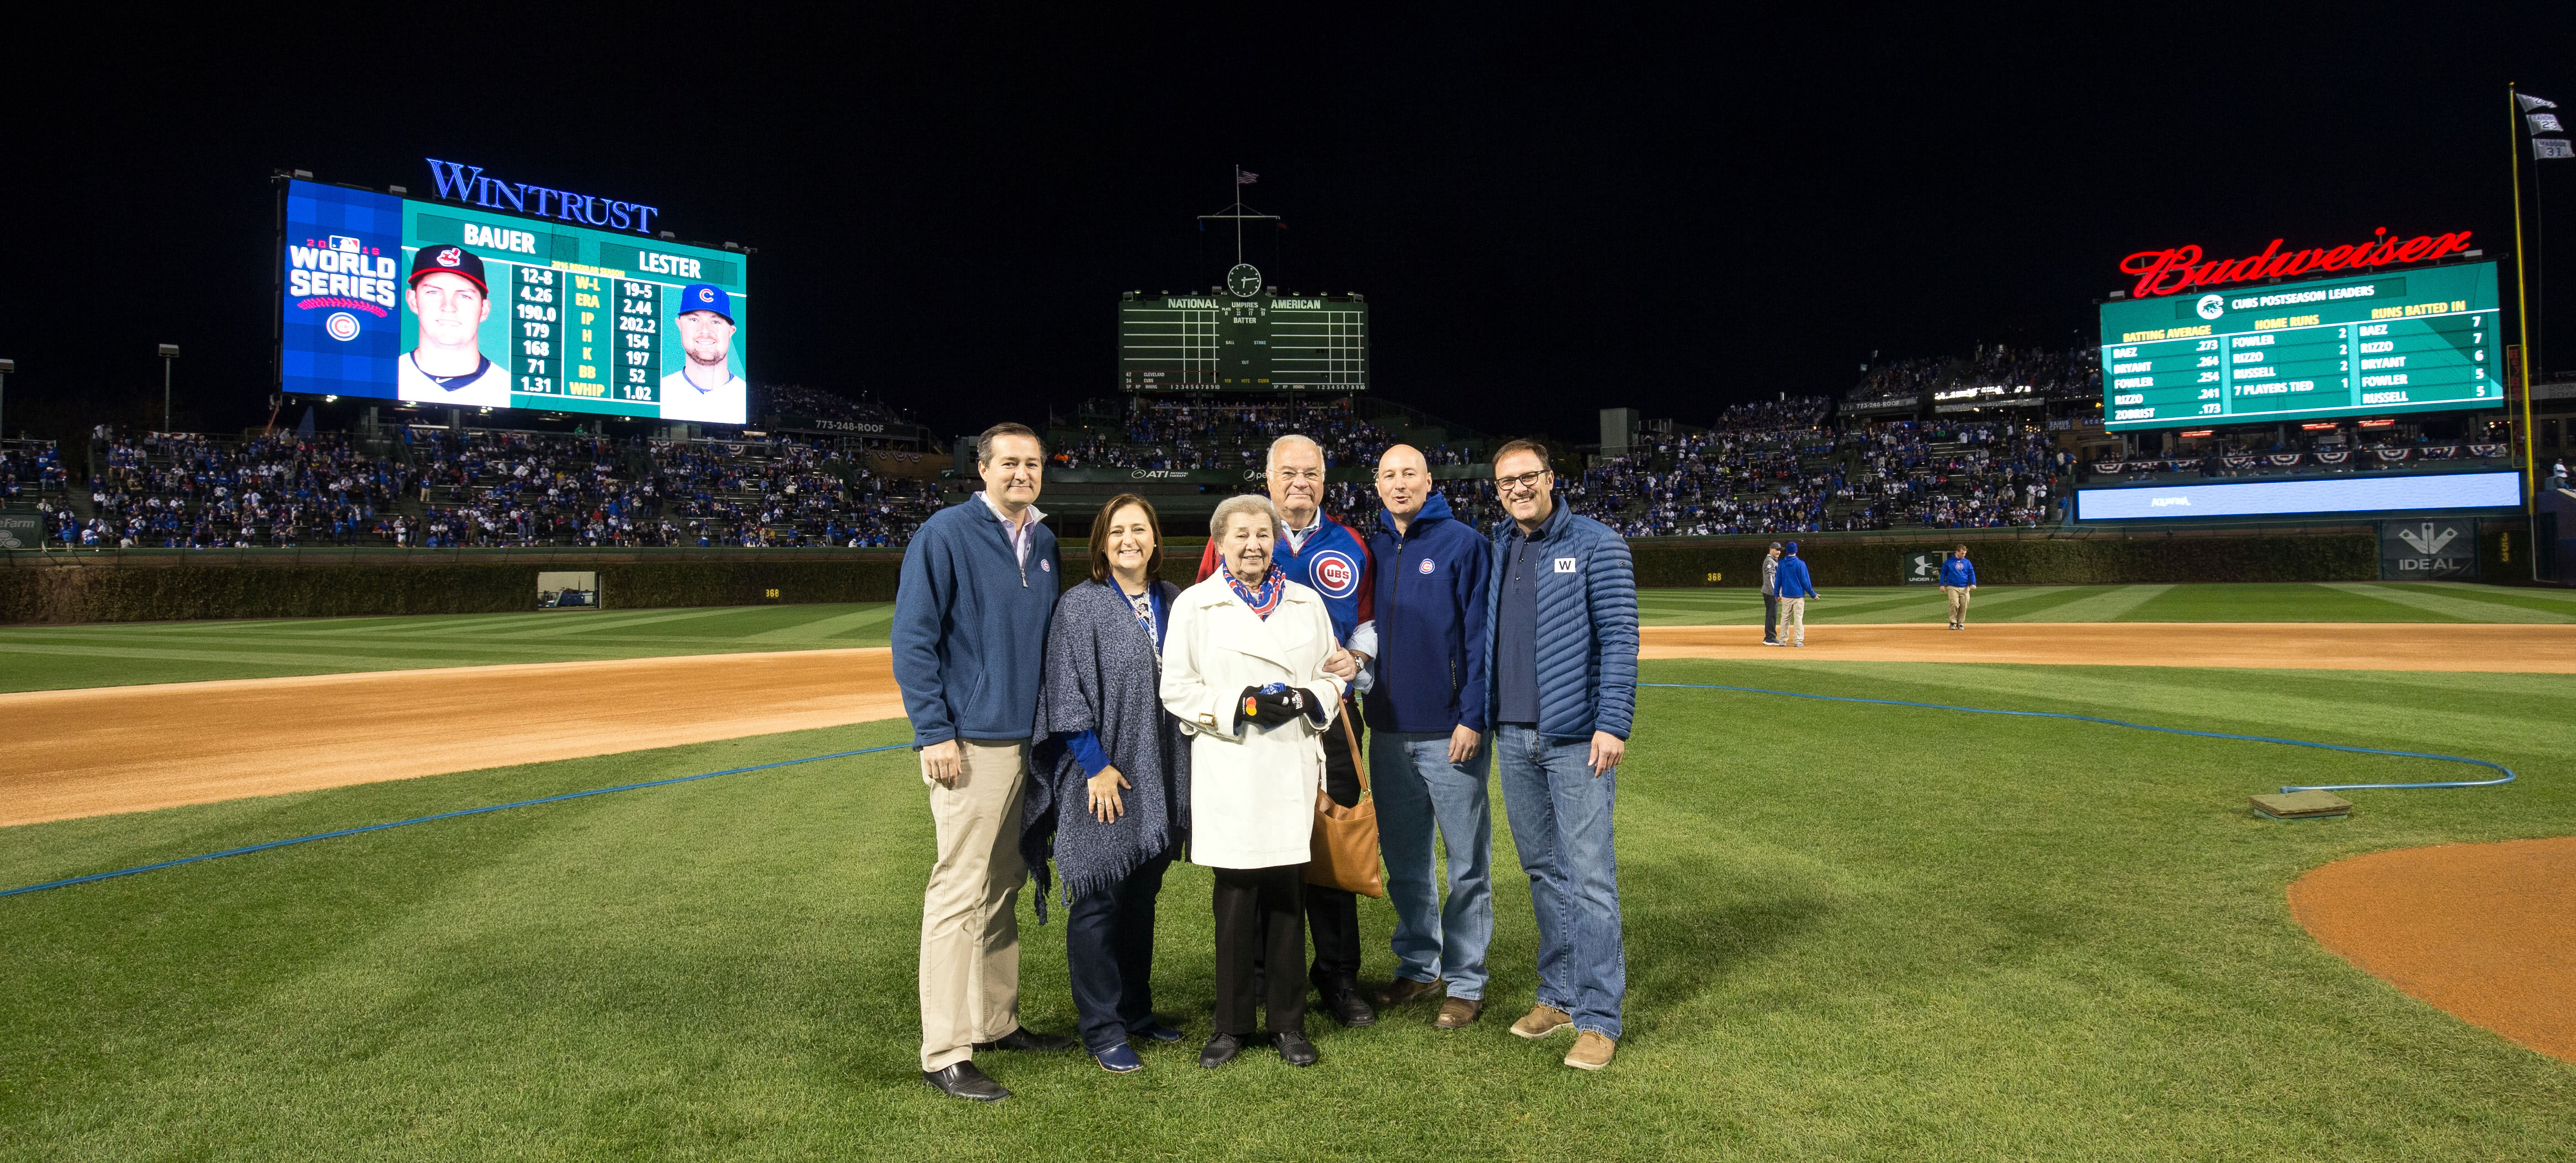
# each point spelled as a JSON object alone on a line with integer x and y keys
{"x": 464, "y": 183}
{"x": 2182, "y": 268}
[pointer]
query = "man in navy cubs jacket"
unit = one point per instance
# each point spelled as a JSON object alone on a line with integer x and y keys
{"x": 1323, "y": 554}
{"x": 1427, "y": 754}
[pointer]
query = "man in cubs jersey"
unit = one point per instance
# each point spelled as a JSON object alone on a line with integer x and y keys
{"x": 1323, "y": 554}
{"x": 705, "y": 388}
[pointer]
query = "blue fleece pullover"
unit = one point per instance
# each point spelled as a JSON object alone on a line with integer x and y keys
{"x": 1793, "y": 579}
{"x": 970, "y": 625}
{"x": 1430, "y": 623}
{"x": 1955, "y": 571}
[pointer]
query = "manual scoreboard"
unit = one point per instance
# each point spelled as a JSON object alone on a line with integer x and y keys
{"x": 2415, "y": 341}
{"x": 1228, "y": 343}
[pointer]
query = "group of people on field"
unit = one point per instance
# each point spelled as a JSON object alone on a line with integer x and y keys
{"x": 1098, "y": 735}
{"x": 1786, "y": 586}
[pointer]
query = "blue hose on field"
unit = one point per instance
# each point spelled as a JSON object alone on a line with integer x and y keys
{"x": 2507, "y": 777}
{"x": 599, "y": 791}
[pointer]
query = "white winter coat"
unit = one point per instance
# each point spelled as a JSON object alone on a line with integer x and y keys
{"x": 1252, "y": 794}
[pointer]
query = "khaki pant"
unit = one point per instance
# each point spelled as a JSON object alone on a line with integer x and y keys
{"x": 1958, "y": 604}
{"x": 970, "y": 929}
{"x": 1793, "y": 621}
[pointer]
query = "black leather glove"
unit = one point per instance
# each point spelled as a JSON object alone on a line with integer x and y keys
{"x": 1269, "y": 709}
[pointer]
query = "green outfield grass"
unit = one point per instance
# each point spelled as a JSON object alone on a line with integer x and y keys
{"x": 2276, "y": 602}
{"x": 1854, "y": 932}
{"x": 60, "y": 657}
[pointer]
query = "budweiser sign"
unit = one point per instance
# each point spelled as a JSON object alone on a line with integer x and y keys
{"x": 2163, "y": 272}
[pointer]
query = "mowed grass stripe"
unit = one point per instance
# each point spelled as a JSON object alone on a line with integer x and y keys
{"x": 2107, "y": 606}
{"x": 578, "y": 623}
{"x": 827, "y": 627}
{"x": 243, "y": 657}
{"x": 2547, "y": 604}
{"x": 2451, "y": 608}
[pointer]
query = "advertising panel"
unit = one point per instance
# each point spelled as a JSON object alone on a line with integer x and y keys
{"x": 2390, "y": 494}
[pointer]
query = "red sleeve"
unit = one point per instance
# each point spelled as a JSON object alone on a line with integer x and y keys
{"x": 1367, "y": 605}
{"x": 1207, "y": 560}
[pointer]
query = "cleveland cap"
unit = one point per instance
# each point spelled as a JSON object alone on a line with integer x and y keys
{"x": 705, "y": 297}
{"x": 453, "y": 260}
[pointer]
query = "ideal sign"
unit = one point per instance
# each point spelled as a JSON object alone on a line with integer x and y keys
{"x": 2443, "y": 549}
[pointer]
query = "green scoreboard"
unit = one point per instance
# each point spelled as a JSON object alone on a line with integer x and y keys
{"x": 2413, "y": 341}
{"x": 1247, "y": 338}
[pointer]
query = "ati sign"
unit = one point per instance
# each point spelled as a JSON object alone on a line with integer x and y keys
{"x": 1923, "y": 569}
{"x": 2435, "y": 550}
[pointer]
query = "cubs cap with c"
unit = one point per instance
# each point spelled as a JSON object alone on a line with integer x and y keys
{"x": 453, "y": 260}
{"x": 705, "y": 297}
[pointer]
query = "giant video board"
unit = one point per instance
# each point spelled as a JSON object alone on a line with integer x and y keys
{"x": 446, "y": 305}
{"x": 2409, "y": 341}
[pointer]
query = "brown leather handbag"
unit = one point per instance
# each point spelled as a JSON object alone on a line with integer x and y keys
{"x": 1344, "y": 852}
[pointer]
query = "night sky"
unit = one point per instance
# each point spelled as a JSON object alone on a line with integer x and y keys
{"x": 1548, "y": 216}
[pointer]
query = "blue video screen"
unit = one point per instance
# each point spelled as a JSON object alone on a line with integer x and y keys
{"x": 2448, "y": 491}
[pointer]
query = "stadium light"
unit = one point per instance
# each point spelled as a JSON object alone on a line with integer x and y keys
{"x": 169, "y": 356}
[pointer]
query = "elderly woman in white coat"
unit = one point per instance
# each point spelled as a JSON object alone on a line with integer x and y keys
{"x": 1251, "y": 671}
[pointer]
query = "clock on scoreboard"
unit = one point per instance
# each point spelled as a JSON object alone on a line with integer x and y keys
{"x": 2407, "y": 341}
{"x": 1244, "y": 338}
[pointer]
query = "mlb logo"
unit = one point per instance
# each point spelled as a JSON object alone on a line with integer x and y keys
{"x": 345, "y": 243}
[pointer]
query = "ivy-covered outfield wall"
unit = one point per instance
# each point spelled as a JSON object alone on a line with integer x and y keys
{"x": 138, "y": 588}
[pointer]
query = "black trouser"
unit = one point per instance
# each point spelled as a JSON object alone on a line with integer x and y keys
{"x": 1333, "y": 913}
{"x": 1254, "y": 907}
{"x": 1770, "y": 617}
{"x": 1109, "y": 954}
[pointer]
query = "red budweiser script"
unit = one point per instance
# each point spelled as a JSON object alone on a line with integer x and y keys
{"x": 2163, "y": 272}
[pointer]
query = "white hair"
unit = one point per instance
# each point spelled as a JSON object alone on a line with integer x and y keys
{"x": 1240, "y": 503}
{"x": 1270, "y": 466}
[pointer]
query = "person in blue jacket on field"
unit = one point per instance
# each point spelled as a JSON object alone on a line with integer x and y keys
{"x": 1427, "y": 753}
{"x": 1795, "y": 588}
{"x": 1958, "y": 576}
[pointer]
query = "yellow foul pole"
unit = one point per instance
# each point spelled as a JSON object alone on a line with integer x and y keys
{"x": 2522, "y": 306}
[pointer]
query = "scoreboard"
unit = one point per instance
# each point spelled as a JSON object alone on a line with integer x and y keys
{"x": 1231, "y": 343}
{"x": 2412, "y": 341}
{"x": 562, "y": 318}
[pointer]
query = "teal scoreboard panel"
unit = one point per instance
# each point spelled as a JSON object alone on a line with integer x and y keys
{"x": 448, "y": 305}
{"x": 1262, "y": 343}
{"x": 2373, "y": 345}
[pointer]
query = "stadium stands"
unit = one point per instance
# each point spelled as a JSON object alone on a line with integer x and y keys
{"x": 178, "y": 490}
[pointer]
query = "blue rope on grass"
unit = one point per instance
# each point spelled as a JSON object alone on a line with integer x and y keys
{"x": 442, "y": 816}
{"x": 2507, "y": 777}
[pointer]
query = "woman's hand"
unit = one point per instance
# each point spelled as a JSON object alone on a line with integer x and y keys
{"x": 1106, "y": 807}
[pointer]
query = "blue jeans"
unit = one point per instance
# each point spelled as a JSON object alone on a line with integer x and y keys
{"x": 1109, "y": 954}
{"x": 1417, "y": 788}
{"x": 1560, "y": 818}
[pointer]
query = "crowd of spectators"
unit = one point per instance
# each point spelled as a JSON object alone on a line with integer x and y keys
{"x": 2074, "y": 371}
{"x": 1195, "y": 435}
{"x": 1788, "y": 412}
{"x": 29, "y": 470}
{"x": 177, "y": 490}
{"x": 1809, "y": 479}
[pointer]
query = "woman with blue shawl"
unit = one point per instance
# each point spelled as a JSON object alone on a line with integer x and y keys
{"x": 1109, "y": 793}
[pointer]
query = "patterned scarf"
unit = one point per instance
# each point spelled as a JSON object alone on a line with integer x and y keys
{"x": 1263, "y": 600}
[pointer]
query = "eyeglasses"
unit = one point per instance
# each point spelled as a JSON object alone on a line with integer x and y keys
{"x": 1519, "y": 484}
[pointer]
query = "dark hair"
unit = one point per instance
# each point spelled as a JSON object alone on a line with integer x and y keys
{"x": 984, "y": 443}
{"x": 1959, "y": 549}
{"x": 1524, "y": 446}
{"x": 1100, "y": 534}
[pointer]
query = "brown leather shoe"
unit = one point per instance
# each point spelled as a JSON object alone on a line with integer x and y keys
{"x": 1542, "y": 1021}
{"x": 1458, "y": 1012}
{"x": 1592, "y": 1051}
{"x": 1404, "y": 989}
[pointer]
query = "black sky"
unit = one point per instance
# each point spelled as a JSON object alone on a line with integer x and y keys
{"x": 1548, "y": 214}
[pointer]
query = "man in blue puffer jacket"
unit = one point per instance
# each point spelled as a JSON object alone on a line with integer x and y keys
{"x": 1561, "y": 644}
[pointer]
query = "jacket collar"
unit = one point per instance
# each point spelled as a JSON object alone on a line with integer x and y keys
{"x": 1245, "y": 630}
{"x": 1558, "y": 514}
{"x": 1436, "y": 508}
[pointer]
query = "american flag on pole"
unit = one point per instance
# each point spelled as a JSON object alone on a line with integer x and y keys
{"x": 1245, "y": 177}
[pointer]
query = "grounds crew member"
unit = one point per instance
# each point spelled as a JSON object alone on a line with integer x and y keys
{"x": 705, "y": 388}
{"x": 971, "y": 612}
{"x": 1795, "y": 588}
{"x": 1324, "y": 555}
{"x": 1561, "y": 637}
{"x": 1771, "y": 595}
{"x": 1958, "y": 577}
{"x": 449, "y": 300}
{"x": 1427, "y": 754}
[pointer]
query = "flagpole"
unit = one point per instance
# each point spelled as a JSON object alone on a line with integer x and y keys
{"x": 2522, "y": 305}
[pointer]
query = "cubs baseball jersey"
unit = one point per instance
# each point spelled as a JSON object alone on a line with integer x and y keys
{"x": 1331, "y": 560}
{"x": 683, "y": 400}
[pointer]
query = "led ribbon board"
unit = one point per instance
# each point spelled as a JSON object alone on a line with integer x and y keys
{"x": 569, "y": 319}
{"x": 2419, "y": 340}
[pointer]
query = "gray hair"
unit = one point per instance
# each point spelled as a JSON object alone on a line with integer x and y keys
{"x": 1270, "y": 464}
{"x": 1238, "y": 504}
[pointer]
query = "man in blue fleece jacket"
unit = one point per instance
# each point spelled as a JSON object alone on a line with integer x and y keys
{"x": 1958, "y": 580}
{"x": 970, "y": 622}
{"x": 1427, "y": 758}
{"x": 1795, "y": 588}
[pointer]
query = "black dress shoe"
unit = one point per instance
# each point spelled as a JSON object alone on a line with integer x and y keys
{"x": 1028, "y": 1041}
{"x": 1294, "y": 1049}
{"x": 1220, "y": 1050}
{"x": 962, "y": 1080}
{"x": 1347, "y": 1006}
